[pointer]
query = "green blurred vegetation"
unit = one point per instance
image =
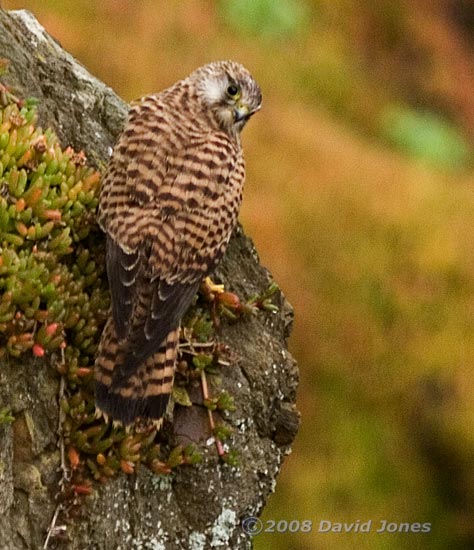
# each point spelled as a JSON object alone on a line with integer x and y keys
{"x": 362, "y": 163}
{"x": 270, "y": 18}
{"x": 426, "y": 136}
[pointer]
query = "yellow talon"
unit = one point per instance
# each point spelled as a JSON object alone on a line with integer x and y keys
{"x": 213, "y": 287}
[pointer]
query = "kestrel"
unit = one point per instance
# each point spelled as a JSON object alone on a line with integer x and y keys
{"x": 169, "y": 201}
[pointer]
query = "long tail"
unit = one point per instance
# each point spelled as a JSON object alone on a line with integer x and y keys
{"x": 144, "y": 395}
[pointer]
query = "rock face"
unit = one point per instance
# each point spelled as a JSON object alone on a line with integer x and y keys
{"x": 196, "y": 507}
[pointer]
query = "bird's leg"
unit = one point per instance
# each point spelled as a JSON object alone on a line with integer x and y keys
{"x": 212, "y": 291}
{"x": 212, "y": 424}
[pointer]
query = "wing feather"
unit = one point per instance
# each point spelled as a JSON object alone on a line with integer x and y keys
{"x": 122, "y": 270}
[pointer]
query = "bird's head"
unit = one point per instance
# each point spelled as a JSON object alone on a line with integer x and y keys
{"x": 230, "y": 92}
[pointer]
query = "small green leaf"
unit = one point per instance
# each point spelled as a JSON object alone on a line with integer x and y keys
{"x": 181, "y": 396}
{"x": 202, "y": 361}
{"x": 5, "y": 416}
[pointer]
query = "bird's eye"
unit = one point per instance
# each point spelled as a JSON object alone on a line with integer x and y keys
{"x": 233, "y": 90}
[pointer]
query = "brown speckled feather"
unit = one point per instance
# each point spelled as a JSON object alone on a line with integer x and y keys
{"x": 169, "y": 202}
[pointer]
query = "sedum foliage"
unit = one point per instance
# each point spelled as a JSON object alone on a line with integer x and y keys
{"x": 50, "y": 263}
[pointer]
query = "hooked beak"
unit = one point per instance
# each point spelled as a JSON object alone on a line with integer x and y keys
{"x": 242, "y": 112}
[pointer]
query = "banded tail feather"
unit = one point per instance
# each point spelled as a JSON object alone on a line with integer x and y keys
{"x": 138, "y": 397}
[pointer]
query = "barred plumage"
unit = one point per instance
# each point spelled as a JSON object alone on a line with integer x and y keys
{"x": 169, "y": 201}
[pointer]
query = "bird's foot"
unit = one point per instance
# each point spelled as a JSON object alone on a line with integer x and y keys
{"x": 210, "y": 288}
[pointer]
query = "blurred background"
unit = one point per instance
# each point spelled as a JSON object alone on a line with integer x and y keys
{"x": 360, "y": 199}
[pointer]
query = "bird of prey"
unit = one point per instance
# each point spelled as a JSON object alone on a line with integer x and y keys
{"x": 168, "y": 203}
